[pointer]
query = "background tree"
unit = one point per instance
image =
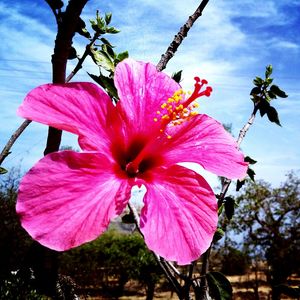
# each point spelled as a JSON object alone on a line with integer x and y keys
{"x": 269, "y": 219}
{"x": 110, "y": 262}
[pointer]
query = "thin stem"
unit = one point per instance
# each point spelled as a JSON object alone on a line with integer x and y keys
{"x": 204, "y": 270}
{"x": 225, "y": 187}
{"x": 165, "y": 266}
{"x": 179, "y": 37}
{"x": 240, "y": 138}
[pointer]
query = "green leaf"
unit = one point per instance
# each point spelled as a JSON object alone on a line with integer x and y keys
{"x": 229, "y": 207}
{"x": 98, "y": 25}
{"x": 108, "y": 18}
{"x": 109, "y": 51}
{"x": 256, "y": 90}
{"x": 268, "y": 81}
{"x": 72, "y": 53}
{"x": 258, "y": 81}
{"x": 277, "y": 91}
{"x": 112, "y": 30}
{"x": 251, "y": 174}
{"x": 221, "y": 208}
{"x": 3, "y": 171}
{"x": 81, "y": 29}
{"x": 218, "y": 235}
{"x": 239, "y": 184}
{"x": 102, "y": 59}
{"x": 273, "y": 115}
{"x": 100, "y": 21}
{"x": 271, "y": 95}
{"x": 106, "y": 42}
{"x": 269, "y": 70}
{"x": 177, "y": 76}
{"x": 121, "y": 56}
{"x": 255, "y": 98}
{"x": 250, "y": 160}
{"x": 107, "y": 83}
{"x": 219, "y": 286}
{"x": 263, "y": 107}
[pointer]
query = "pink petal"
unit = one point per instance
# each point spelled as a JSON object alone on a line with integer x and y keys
{"x": 69, "y": 198}
{"x": 203, "y": 140}
{"x": 180, "y": 215}
{"x": 142, "y": 90}
{"x": 80, "y": 108}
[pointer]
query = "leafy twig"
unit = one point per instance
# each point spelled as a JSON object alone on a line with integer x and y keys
{"x": 180, "y": 36}
{"x": 84, "y": 56}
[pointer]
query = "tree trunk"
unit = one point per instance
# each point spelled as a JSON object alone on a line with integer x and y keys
{"x": 150, "y": 290}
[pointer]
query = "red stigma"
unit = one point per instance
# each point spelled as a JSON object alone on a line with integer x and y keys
{"x": 197, "y": 91}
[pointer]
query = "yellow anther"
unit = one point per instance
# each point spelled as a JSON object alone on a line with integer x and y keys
{"x": 194, "y": 113}
{"x": 158, "y": 112}
{"x": 169, "y": 137}
{"x": 195, "y": 105}
{"x": 179, "y": 107}
{"x": 164, "y": 105}
{"x": 165, "y": 117}
{"x": 161, "y": 130}
{"x": 155, "y": 119}
{"x": 185, "y": 110}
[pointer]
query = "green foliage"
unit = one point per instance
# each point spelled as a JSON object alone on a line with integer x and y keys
{"x": 14, "y": 241}
{"x": 234, "y": 261}
{"x": 263, "y": 93}
{"x": 14, "y": 287}
{"x": 111, "y": 261}
{"x": 219, "y": 286}
{"x": 100, "y": 24}
{"x": 104, "y": 55}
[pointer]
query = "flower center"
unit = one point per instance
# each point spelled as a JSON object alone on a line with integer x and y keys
{"x": 177, "y": 109}
{"x": 139, "y": 156}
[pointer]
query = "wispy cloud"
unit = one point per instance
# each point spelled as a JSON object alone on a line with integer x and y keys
{"x": 230, "y": 44}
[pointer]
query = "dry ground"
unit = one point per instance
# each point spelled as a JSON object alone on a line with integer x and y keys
{"x": 242, "y": 289}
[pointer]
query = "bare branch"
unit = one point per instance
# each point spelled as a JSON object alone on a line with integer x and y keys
{"x": 180, "y": 36}
{"x": 12, "y": 140}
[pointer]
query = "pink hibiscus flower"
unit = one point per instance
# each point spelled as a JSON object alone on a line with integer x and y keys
{"x": 69, "y": 198}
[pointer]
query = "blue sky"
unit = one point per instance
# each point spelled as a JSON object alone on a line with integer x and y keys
{"x": 229, "y": 45}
